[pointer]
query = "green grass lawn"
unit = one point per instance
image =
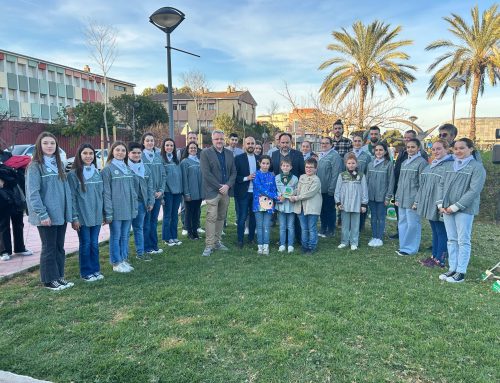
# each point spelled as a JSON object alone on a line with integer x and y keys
{"x": 338, "y": 316}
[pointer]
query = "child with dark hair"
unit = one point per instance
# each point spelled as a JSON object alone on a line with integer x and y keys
{"x": 286, "y": 185}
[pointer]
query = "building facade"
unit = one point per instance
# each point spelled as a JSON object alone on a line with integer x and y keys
{"x": 36, "y": 89}
{"x": 280, "y": 120}
{"x": 485, "y": 130}
{"x": 200, "y": 112}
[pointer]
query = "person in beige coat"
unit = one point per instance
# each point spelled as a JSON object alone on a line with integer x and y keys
{"x": 307, "y": 206}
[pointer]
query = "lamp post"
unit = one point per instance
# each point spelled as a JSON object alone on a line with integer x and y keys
{"x": 455, "y": 83}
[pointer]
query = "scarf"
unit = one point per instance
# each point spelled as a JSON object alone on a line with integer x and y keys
{"x": 377, "y": 161}
{"x": 357, "y": 152}
{"x": 137, "y": 168}
{"x": 412, "y": 158}
{"x": 50, "y": 163}
{"x": 459, "y": 164}
{"x": 170, "y": 156}
{"x": 149, "y": 154}
{"x": 120, "y": 164}
{"x": 88, "y": 171}
{"x": 194, "y": 158}
{"x": 435, "y": 163}
{"x": 285, "y": 178}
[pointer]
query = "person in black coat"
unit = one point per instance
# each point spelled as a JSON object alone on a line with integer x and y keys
{"x": 285, "y": 151}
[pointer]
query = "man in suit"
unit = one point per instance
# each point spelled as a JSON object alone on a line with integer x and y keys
{"x": 246, "y": 167}
{"x": 286, "y": 151}
{"x": 218, "y": 174}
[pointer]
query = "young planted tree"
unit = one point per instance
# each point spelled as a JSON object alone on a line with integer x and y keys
{"x": 368, "y": 57}
{"x": 474, "y": 56}
{"x": 195, "y": 84}
{"x": 101, "y": 41}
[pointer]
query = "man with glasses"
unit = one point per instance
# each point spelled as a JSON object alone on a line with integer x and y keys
{"x": 330, "y": 165}
{"x": 449, "y": 132}
{"x": 341, "y": 144}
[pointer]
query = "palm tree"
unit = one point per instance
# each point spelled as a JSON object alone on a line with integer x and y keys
{"x": 368, "y": 57}
{"x": 475, "y": 56}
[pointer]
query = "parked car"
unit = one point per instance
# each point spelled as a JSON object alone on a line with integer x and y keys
{"x": 98, "y": 154}
{"x": 28, "y": 149}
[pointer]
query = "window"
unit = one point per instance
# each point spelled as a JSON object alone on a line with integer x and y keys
{"x": 210, "y": 106}
{"x": 42, "y": 74}
{"x": 2, "y": 93}
{"x": 174, "y": 106}
{"x": 34, "y": 97}
{"x": 60, "y": 77}
{"x": 23, "y": 96}
{"x": 43, "y": 99}
{"x": 183, "y": 106}
{"x": 52, "y": 100}
{"x": 78, "y": 81}
{"x": 32, "y": 71}
{"x": 52, "y": 76}
{"x": 21, "y": 69}
{"x": 68, "y": 80}
{"x": 85, "y": 83}
{"x": 2, "y": 66}
{"x": 12, "y": 94}
{"x": 10, "y": 67}
{"x": 60, "y": 100}
{"x": 120, "y": 88}
{"x": 210, "y": 124}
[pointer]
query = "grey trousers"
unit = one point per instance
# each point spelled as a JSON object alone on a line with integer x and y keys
{"x": 52, "y": 256}
{"x": 350, "y": 228}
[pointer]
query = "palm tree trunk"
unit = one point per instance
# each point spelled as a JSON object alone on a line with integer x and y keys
{"x": 475, "y": 94}
{"x": 362, "y": 96}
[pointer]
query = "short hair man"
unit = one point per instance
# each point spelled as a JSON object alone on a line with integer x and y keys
{"x": 218, "y": 174}
{"x": 449, "y": 133}
{"x": 374, "y": 137}
{"x": 276, "y": 144}
{"x": 233, "y": 144}
{"x": 286, "y": 151}
{"x": 341, "y": 144}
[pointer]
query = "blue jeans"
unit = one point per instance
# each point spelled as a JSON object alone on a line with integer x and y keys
{"x": 263, "y": 222}
{"x": 459, "y": 229}
{"x": 410, "y": 231}
{"x": 138, "y": 226}
{"x": 328, "y": 214}
{"x": 244, "y": 208}
{"x": 150, "y": 227}
{"x": 119, "y": 235}
{"x": 350, "y": 228}
{"x": 287, "y": 221}
{"x": 170, "y": 216}
{"x": 378, "y": 212}
{"x": 439, "y": 240}
{"x": 89, "y": 250}
{"x": 308, "y": 224}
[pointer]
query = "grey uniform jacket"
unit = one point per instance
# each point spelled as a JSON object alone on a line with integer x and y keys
{"x": 428, "y": 191}
{"x": 191, "y": 179}
{"x": 88, "y": 204}
{"x": 409, "y": 182}
{"x": 158, "y": 175}
{"x": 364, "y": 159}
{"x": 286, "y": 206}
{"x": 351, "y": 193}
{"x": 173, "y": 183}
{"x": 462, "y": 188}
{"x": 47, "y": 196}
{"x": 120, "y": 194}
{"x": 329, "y": 168}
{"x": 144, "y": 188}
{"x": 380, "y": 180}
{"x": 211, "y": 172}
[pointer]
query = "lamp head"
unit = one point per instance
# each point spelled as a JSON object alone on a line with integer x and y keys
{"x": 166, "y": 19}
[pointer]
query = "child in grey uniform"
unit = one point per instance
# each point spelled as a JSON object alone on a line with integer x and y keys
{"x": 49, "y": 204}
{"x": 86, "y": 186}
{"x": 286, "y": 185}
{"x": 152, "y": 160}
{"x": 380, "y": 181}
{"x": 459, "y": 194}
{"x": 120, "y": 205}
{"x": 351, "y": 196}
{"x": 145, "y": 197}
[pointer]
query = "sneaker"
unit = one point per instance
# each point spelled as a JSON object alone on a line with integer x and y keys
{"x": 170, "y": 242}
{"x": 426, "y": 261}
{"x": 89, "y": 278}
{"x": 144, "y": 257}
{"x": 98, "y": 276}
{"x": 282, "y": 248}
{"x": 402, "y": 253}
{"x": 65, "y": 283}
{"x": 394, "y": 236}
{"x": 157, "y": 251}
{"x": 290, "y": 249}
{"x": 200, "y": 230}
{"x": 25, "y": 253}
{"x": 54, "y": 286}
{"x": 321, "y": 235}
{"x": 260, "y": 248}
{"x": 220, "y": 246}
{"x": 177, "y": 242}
{"x": 121, "y": 268}
{"x": 372, "y": 242}
{"x": 456, "y": 278}
{"x": 354, "y": 247}
{"x": 184, "y": 232}
{"x": 265, "y": 249}
{"x": 207, "y": 252}
{"x": 4, "y": 257}
{"x": 342, "y": 246}
{"x": 246, "y": 232}
{"x": 379, "y": 243}
{"x": 445, "y": 276}
{"x": 128, "y": 265}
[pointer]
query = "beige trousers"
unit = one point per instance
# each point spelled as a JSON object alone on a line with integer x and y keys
{"x": 214, "y": 222}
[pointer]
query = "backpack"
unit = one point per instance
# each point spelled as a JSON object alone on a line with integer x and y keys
{"x": 18, "y": 162}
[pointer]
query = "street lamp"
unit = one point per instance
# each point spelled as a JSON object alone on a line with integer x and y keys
{"x": 167, "y": 19}
{"x": 455, "y": 83}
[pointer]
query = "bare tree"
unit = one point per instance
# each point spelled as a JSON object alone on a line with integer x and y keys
{"x": 4, "y": 119}
{"x": 196, "y": 85}
{"x": 101, "y": 41}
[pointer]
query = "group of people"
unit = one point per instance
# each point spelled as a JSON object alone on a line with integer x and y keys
{"x": 284, "y": 185}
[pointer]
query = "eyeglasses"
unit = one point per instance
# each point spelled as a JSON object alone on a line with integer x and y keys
{"x": 443, "y": 135}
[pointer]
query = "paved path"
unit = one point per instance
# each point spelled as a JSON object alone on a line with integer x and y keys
{"x": 8, "y": 377}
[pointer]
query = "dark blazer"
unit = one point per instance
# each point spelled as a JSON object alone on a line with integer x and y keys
{"x": 298, "y": 164}
{"x": 211, "y": 172}
{"x": 242, "y": 171}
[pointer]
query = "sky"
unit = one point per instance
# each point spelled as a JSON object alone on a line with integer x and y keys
{"x": 255, "y": 45}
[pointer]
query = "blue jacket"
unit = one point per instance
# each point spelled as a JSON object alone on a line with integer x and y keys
{"x": 264, "y": 192}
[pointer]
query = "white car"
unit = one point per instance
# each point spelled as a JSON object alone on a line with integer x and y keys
{"x": 27, "y": 150}
{"x": 99, "y": 159}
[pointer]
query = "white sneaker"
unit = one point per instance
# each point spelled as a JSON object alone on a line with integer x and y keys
{"x": 246, "y": 231}
{"x": 121, "y": 268}
{"x": 200, "y": 230}
{"x": 25, "y": 253}
{"x": 354, "y": 247}
{"x": 259, "y": 249}
{"x": 177, "y": 242}
{"x": 159, "y": 251}
{"x": 6, "y": 257}
{"x": 378, "y": 243}
{"x": 184, "y": 232}
{"x": 265, "y": 249}
{"x": 372, "y": 242}
{"x": 321, "y": 235}
{"x": 128, "y": 265}
{"x": 342, "y": 246}
{"x": 290, "y": 249}
{"x": 282, "y": 248}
